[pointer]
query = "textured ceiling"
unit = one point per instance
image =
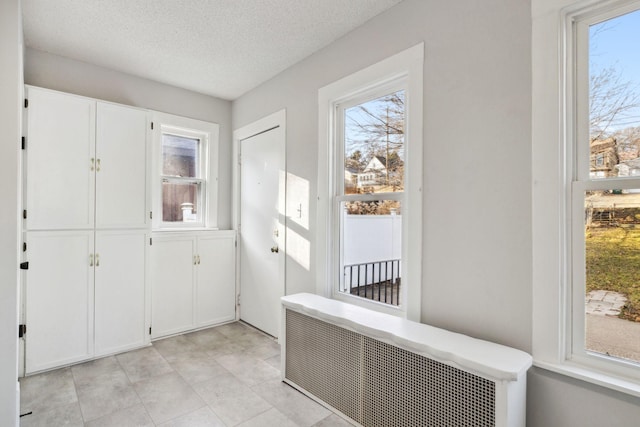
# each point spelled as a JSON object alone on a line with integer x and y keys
{"x": 218, "y": 47}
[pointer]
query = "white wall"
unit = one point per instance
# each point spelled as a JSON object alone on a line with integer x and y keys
{"x": 477, "y": 197}
{"x": 477, "y": 185}
{"x": 477, "y": 257}
{"x": 10, "y": 101}
{"x": 554, "y": 399}
{"x": 63, "y": 74}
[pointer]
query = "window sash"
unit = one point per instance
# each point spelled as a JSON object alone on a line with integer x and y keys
{"x": 339, "y": 149}
{"x": 370, "y": 94}
{"x": 198, "y": 179}
{"x": 578, "y": 157}
{"x": 200, "y": 201}
{"x": 206, "y": 172}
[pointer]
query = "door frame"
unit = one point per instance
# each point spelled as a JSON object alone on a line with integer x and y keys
{"x": 275, "y": 120}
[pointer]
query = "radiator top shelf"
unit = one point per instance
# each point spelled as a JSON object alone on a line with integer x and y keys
{"x": 491, "y": 360}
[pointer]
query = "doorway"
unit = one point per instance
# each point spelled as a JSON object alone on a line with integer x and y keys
{"x": 261, "y": 220}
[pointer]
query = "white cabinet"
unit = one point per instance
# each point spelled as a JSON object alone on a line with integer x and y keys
{"x": 172, "y": 281}
{"x": 192, "y": 280}
{"x": 121, "y": 172}
{"x": 59, "y": 298}
{"x": 85, "y": 163}
{"x": 60, "y": 146}
{"x": 216, "y": 278}
{"x": 86, "y": 229}
{"x": 120, "y": 322}
{"x": 85, "y": 295}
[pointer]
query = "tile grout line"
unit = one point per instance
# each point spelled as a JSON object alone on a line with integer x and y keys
{"x": 241, "y": 342}
{"x": 146, "y": 410}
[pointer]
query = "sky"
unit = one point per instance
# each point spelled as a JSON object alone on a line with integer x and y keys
{"x": 616, "y": 42}
{"x": 354, "y": 136}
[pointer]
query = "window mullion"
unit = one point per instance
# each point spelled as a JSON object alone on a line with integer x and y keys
{"x": 370, "y": 197}
{"x": 181, "y": 179}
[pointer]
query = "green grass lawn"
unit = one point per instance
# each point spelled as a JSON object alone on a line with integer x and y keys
{"x": 613, "y": 264}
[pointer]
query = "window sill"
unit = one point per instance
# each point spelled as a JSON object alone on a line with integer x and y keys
{"x": 592, "y": 376}
{"x": 373, "y": 305}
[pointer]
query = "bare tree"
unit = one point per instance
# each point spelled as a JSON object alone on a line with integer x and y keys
{"x": 378, "y": 127}
{"x": 612, "y": 102}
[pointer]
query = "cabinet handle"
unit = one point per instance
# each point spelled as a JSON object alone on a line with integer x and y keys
{"x": 98, "y": 165}
{"x": 90, "y": 260}
{"x": 195, "y": 260}
{"x": 93, "y": 161}
{"x": 97, "y": 260}
{"x": 198, "y": 259}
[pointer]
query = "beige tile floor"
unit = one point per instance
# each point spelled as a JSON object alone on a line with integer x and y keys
{"x": 223, "y": 376}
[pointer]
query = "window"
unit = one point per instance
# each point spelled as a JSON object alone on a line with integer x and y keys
{"x": 182, "y": 183}
{"x": 187, "y": 176}
{"x": 599, "y": 160}
{"x": 604, "y": 194}
{"x": 370, "y": 178}
{"x": 584, "y": 233}
{"x": 371, "y": 141}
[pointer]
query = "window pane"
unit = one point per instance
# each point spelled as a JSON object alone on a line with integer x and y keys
{"x": 612, "y": 243}
{"x": 374, "y": 145}
{"x": 180, "y": 202}
{"x": 180, "y": 156}
{"x": 614, "y": 97}
{"x": 372, "y": 249}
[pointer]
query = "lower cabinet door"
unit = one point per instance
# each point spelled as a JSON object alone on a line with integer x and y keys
{"x": 216, "y": 281}
{"x": 58, "y": 298}
{"x": 119, "y": 291}
{"x": 172, "y": 264}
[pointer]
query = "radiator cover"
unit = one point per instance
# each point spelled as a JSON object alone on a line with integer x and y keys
{"x": 377, "y": 383}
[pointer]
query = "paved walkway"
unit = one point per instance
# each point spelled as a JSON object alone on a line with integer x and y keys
{"x": 605, "y": 303}
{"x": 606, "y": 333}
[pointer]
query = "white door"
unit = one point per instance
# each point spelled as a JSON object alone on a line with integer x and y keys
{"x": 60, "y": 161}
{"x": 59, "y": 298}
{"x": 119, "y": 291}
{"x": 216, "y": 278}
{"x": 173, "y": 263}
{"x": 262, "y": 228}
{"x": 121, "y": 158}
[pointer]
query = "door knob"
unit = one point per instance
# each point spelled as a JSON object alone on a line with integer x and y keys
{"x": 275, "y": 249}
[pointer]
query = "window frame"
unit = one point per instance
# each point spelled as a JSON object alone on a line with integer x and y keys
{"x": 404, "y": 69}
{"x": 339, "y": 195}
{"x": 581, "y": 181}
{"x": 559, "y": 177}
{"x": 206, "y": 175}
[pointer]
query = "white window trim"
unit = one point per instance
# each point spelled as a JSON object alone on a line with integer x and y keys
{"x": 209, "y": 134}
{"x": 407, "y": 65}
{"x": 553, "y": 133}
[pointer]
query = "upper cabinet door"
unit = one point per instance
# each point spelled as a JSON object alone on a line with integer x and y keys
{"x": 60, "y": 161}
{"x": 121, "y": 167}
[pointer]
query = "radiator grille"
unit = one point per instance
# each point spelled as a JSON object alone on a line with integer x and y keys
{"x": 324, "y": 359}
{"x": 378, "y": 384}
